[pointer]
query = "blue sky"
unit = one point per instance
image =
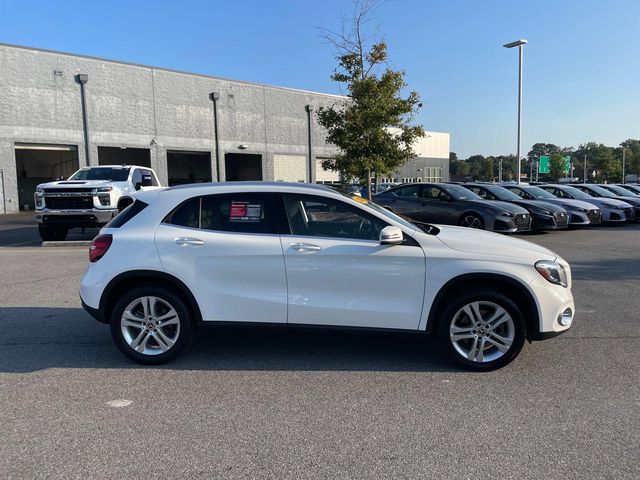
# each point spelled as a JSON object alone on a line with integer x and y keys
{"x": 581, "y": 66}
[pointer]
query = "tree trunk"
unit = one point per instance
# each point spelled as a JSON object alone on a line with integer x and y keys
{"x": 368, "y": 197}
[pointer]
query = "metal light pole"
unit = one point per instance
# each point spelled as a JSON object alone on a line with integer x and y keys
{"x": 584, "y": 175}
{"x": 624, "y": 151}
{"x": 518, "y": 43}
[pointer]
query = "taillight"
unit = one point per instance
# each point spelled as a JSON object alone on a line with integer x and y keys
{"x": 99, "y": 247}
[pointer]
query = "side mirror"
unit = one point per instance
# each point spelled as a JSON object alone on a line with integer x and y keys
{"x": 391, "y": 236}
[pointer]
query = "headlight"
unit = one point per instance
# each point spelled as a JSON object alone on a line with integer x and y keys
{"x": 40, "y": 190}
{"x": 552, "y": 272}
{"x": 103, "y": 189}
{"x": 575, "y": 209}
{"x": 618, "y": 207}
{"x": 505, "y": 214}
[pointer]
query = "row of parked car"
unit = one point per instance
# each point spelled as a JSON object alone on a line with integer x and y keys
{"x": 511, "y": 207}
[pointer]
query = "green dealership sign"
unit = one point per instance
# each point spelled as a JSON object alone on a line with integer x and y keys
{"x": 545, "y": 160}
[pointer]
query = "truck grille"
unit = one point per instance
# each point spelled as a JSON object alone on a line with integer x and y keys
{"x": 523, "y": 221}
{"x": 69, "y": 190}
{"x": 561, "y": 219}
{"x": 69, "y": 203}
{"x": 594, "y": 216}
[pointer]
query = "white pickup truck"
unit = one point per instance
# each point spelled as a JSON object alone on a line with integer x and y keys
{"x": 90, "y": 198}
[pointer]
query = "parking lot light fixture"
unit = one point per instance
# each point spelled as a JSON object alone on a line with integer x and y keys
{"x": 518, "y": 43}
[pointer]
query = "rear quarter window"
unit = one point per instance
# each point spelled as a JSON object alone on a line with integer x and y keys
{"x": 127, "y": 214}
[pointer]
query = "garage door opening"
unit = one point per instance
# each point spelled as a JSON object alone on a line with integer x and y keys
{"x": 124, "y": 156}
{"x": 188, "y": 167}
{"x": 37, "y": 163}
{"x": 242, "y": 167}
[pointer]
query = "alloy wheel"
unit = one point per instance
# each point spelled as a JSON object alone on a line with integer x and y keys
{"x": 150, "y": 325}
{"x": 471, "y": 221}
{"x": 482, "y": 331}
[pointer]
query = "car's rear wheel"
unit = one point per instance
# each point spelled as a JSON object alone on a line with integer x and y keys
{"x": 151, "y": 325}
{"x": 482, "y": 330}
{"x": 52, "y": 234}
{"x": 471, "y": 220}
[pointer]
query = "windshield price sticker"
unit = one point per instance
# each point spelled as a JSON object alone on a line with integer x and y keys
{"x": 245, "y": 212}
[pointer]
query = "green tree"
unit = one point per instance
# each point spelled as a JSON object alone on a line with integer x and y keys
{"x": 539, "y": 149}
{"x": 610, "y": 167}
{"x": 374, "y": 130}
{"x": 475, "y": 163}
{"x": 556, "y": 167}
{"x": 488, "y": 169}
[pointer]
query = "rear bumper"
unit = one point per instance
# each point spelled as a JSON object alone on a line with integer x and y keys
{"x": 75, "y": 218}
{"x": 94, "y": 312}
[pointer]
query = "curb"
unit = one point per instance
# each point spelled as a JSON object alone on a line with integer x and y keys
{"x": 69, "y": 243}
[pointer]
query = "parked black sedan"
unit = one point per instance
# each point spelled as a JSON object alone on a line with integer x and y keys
{"x": 453, "y": 205}
{"x": 544, "y": 215}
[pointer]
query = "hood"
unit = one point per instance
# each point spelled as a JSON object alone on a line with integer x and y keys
{"x": 610, "y": 202}
{"x": 570, "y": 203}
{"x": 76, "y": 184}
{"x": 552, "y": 207}
{"x": 635, "y": 201}
{"x": 470, "y": 240}
{"x": 497, "y": 206}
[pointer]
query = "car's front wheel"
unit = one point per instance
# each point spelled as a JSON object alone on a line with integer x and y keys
{"x": 471, "y": 220}
{"x": 151, "y": 325}
{"x": 482, "y": 330}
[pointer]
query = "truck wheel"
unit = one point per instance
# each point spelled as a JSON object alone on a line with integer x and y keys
{"x": 52, "y": 234}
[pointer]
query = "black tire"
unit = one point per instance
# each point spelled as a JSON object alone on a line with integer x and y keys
{"x": 517, "y": 329}
{"x": 469, "y": 219}
{"x": 184, "y": 326}
{"x": 52, "y": 234}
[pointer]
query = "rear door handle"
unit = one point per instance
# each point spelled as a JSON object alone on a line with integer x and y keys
{"x": 186, "y": 241}
{"x": 308, "y": 247}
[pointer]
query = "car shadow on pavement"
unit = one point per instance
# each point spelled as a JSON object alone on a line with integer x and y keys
{"x": 37, "y": 338}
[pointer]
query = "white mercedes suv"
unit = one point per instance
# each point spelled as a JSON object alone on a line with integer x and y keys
{"x": 306, "y": 255}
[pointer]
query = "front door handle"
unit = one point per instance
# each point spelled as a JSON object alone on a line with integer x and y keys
{"x": 305, "y": 247}
{"x": 186, "y": 241}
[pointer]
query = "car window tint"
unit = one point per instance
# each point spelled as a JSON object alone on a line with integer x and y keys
{"x": 326, "y": 217}
{"x": 186, "y": 215}
{"x": 481, "y": 192}
{"x": 432, "y": 193}
{"x": 411, "y": 191}
{"x": 154, "y": 181}
{"x": 137, "y": 176}
{"x": 519, "y": 192}
{"x": 237, "y": 212}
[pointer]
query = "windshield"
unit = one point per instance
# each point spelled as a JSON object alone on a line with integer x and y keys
{"x": 537, "y": 192}
{"x": 621, "y": 191}
{"x": 461, "y": 193}
{"x": 601, "y": 192}
{"x": 503, "y": 193}
{"x": 576, "y": 193}
{"x": 115, "y": 174}
{"x": 384, "y": 211}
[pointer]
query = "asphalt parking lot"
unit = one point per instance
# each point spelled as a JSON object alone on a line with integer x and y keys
{"x": 289, "y": 403}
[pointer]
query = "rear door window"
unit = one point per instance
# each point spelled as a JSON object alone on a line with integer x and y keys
{"x": 238, "y": 212}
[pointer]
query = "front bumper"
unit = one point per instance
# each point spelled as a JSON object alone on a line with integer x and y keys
{"x": 552, "y": 301}
{"x": 518, "y": 223}
{"x": 549, "y": 222}
{"x": 76, "y": 218}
